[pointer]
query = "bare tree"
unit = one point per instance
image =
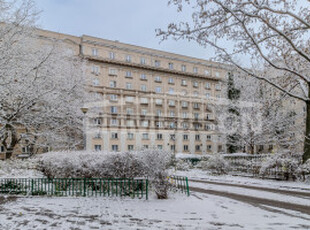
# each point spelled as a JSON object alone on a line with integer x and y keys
{"x": 274, "y": 33}
{"x": 41, "y": 85}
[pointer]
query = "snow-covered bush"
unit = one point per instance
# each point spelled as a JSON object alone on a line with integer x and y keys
{"x": 182, "y": 165}
{"x": 284, "y": 164}
{"x": 303, "y": 171}
{"x": 16, "y": 168}
{"x": 150, "y": 163}
{"x": 217, "y": 164}
{"x": 202, "y": 165}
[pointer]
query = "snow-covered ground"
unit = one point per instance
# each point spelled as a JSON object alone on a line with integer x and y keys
{"x": 199, "y": 211}
{"x": 285, "y": 185}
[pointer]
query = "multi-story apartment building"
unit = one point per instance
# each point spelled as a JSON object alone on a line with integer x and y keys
{"x": 150, "y": 98}
{"x": 143, "y": 98}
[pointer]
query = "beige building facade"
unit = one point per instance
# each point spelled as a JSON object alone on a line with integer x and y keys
{"x": 145, "y": 98}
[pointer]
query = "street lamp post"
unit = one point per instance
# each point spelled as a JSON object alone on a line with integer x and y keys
{"x": 84, "y": 111}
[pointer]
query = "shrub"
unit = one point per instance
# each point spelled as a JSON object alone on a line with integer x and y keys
{"x": 182, "y": 165}
{"x": 217, "y": 164}
{"x": 150, "y": 163}
{"x": 284, "y": 164}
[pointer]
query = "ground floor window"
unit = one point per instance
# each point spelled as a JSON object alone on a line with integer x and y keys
{"x": 97, "y": 147}
{"x": 130, "y": 147}
{"x": 185, "y": 147}
{"x": 115, "y": 148}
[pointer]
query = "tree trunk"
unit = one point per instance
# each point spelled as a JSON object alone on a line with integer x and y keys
{"x": 306, "y": 154}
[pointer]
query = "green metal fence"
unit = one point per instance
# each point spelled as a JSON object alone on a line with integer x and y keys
{"x": 180, "y": 183}
{"x": 76, "y": 186}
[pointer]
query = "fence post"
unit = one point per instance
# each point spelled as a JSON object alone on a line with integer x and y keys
{"x": 187, "y": 188}
{"x": 84, "y": 187}
{"x": 146, "y": 189}
{"x": 31, "y": 186}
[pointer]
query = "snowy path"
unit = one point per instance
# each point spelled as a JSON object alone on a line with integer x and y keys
{"x": 256, "y": 196}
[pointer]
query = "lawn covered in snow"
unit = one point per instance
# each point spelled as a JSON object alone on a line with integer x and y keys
{"x": 199, "y": 211}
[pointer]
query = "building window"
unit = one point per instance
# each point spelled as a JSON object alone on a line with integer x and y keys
{"x": 218, "y": 86}
{"x": 158, "y": 89}
{"x": 183, "y": 68}
{"x": 112, "y": 55}
{"x": 217, "y": 74}
{"x": 130, "y": 123}
{"x": 185, "y": 137}
{"x": 209, "y": 147}
{"x": 97, "y": 136}
{"x": 196, "y": 94}
{"x": 113, "y": 84}
{"x": 195, "y": 84}
{"x": 159, "y": 136}
{"x": 196, "y": 105}
{"x": 113, "y": 109}
{"x": 142, "y": 60}
{"x": 112, "y": 71}
{"x": 145, "y": 146}
{"x": 114, "y": 135}
{"x": 159, "y": 147}
{"x": 128, "y": 58}
{"x": 170, "y": 80}
{"x": 195, "y": 70}
{"x": 130, "y": 147}
{"x": 113, "y": 97}
{"x": 172, "y": 137}
{"x": 208, "y": 127}
{"x": 184, "y": 92}
{"x": 171, "y": 103}
{"x": 143, "y": 87}
{"x": 128, "y": 74}
{"x": 129, "y": 111}
{"x": 208, "y": 137}
{"x": 114, "y": 122}
{"x": 143, "y": 77}
{"x": 130, "y": 136}
{"x": 183, "y": 82}
{"x": 207, "y": 72}
{"x": 184, "y": 115}
{"x": 97, "y": 121}
{"x": 185, "y": 125}
{"x": 197, "y": 137}
{"x": 196, "y": 116}
{"x": 171, "y": 113}
{"x": 158, "y": 101}
{"x": 172, "y": 125}
{"x": 144, "y": 100}
{"x": 130, "y": 99}
{"x": 94, "y": 51}
{"x": 184, "y": 104}
{"x": 159, "y": 124}
{"x": 114, "y": 148}
{"x": 170, "y": 65}
{"x": 144, "y": 112}
{"x": 171, "y": 91}
{"x": 208, "y": 116}
{"x": 197, "y": 147}
{"x": 158, "y": 112}
{"x": 95, "y": 69}
{"x": 185, "y": 148}
{"x": 128, "y": 85}
{"x": 145, "y": 124}
{"x": 97, "y": 147}
{"x": 208, "y": 95}
{"x": 157, "y": 63}
{"x": 157, "y": 79}
{"x": 96, "y": 82}
{"x": 172, "y": 147}
{"x": 145, "y": 136}
{"x": 207, "y": 85}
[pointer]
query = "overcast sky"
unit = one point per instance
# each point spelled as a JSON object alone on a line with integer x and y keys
{"x": 128, "y": 21}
